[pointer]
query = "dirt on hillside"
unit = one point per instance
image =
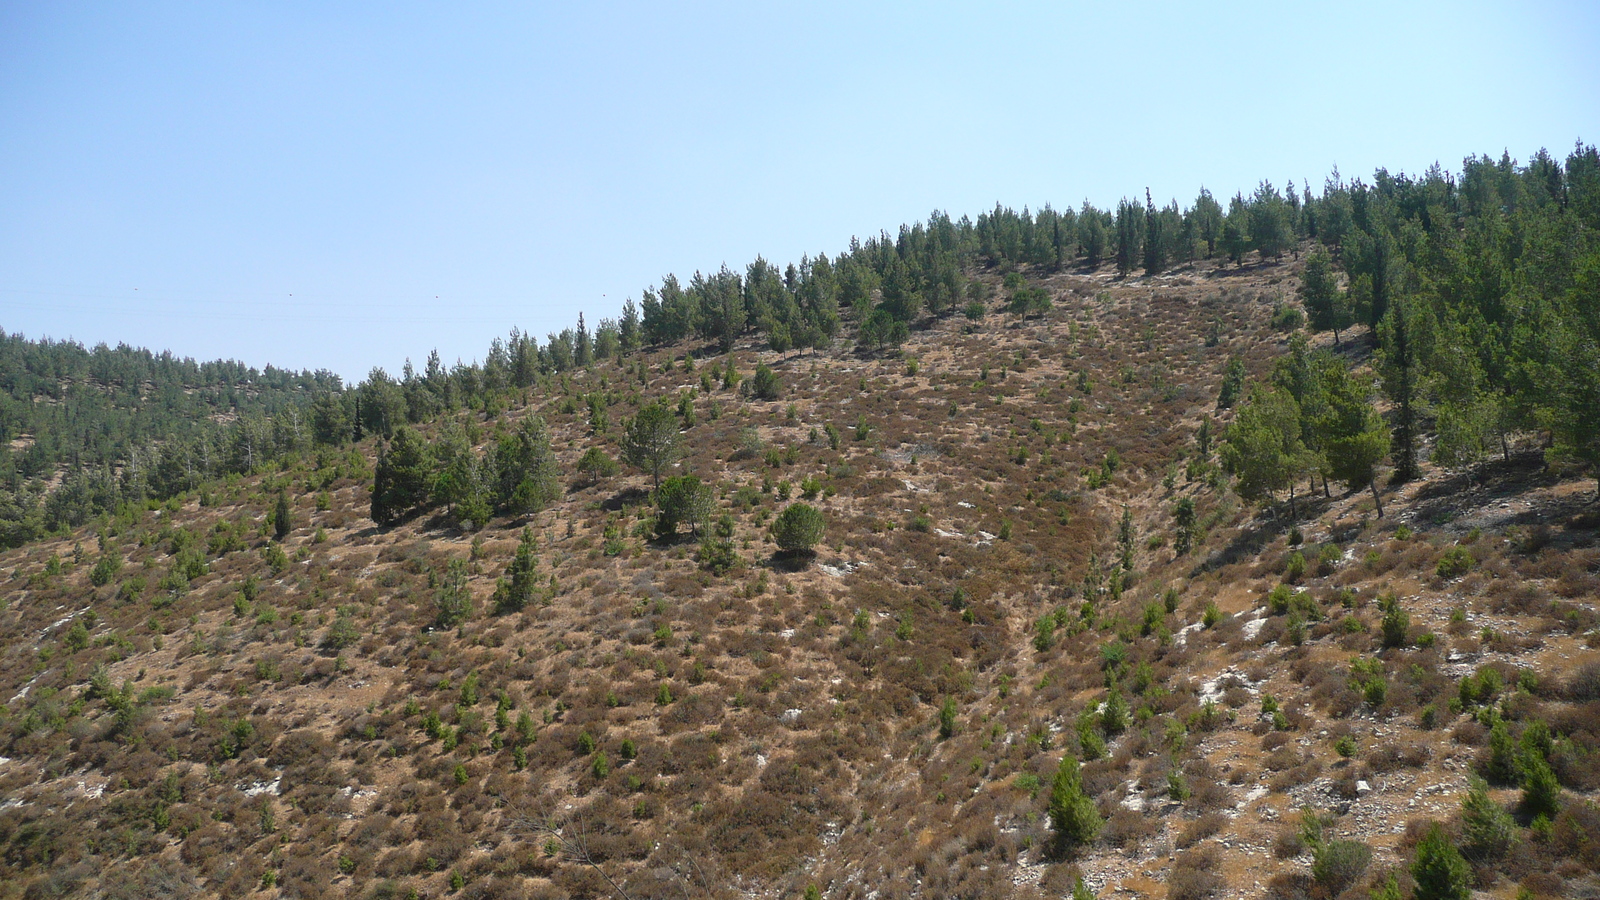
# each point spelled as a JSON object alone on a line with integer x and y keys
{"x": 882, "y": 719}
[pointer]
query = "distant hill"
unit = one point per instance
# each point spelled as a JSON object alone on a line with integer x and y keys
{"x": 82, "y": 430}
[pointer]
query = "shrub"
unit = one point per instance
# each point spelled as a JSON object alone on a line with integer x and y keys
{"x": 1396, "y": 622}
{"x": 947, "y": 718}
{"x": 1200, "y": 829}
{"x": 764, "y": 385}
{"x": 1296, "y": 569}
{"x": 1044, "y": 633}
{"x": 717, "y": 556}
{"x": 341, "y": 634}
{"x": 1456, "y": 562}
{"x": 105, "y": 569}
{"x": 1114, "y": 715}
{"x": 1287, "y": 318}
{"x": 1194, "y": 874}
{"x": 798, "y": 528}
{"x": 749, "y": 444}
{"x": 275, "y": 558}
{"x": 1090, "y": 744}
{"x": 1338, "y": 864}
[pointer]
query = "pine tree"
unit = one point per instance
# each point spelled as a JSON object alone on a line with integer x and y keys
{"x": 1114, "y": 714}
{"x": 331, "y": 423}
{"x": 1487, "y": 830}
{"x": 1206, "y": 213}
{"x": 280, "y": 517}
{"x": 947, "y": 718}
{"x": 1270, "y": 228}
{"x": 628, "y": 332}
{"x": 652, "y": 441}
{"x": 1370, "y": 258}
{"x": 1092, "y": 234}
{"x": 1541, "y": 792}
{"x": 1263, "y": 448}
{"x": 1073, "y": 816}
{"x": 1232, "y": 383}
{"x": 1353, "y": 434}
{"x": 765, "y": 384}
{"x": 798, "y": 528}
{"x": 1503, "y": 767}
{"x": 459, "y": 480}
{"x": 453, "y": 599}
{"x": 1561, "y": 350}
{"x": 1398, "y": 364}
{"x": 1126, "y": 535}
{"x": 683, "y": 499}
{"x": 1183, "y": 516}
{"x": 527, "y": 476}
{"x": 1156, "y": 240}
{"x": 727, "y": 309}
{"x": 1396, "y": 623}
{"x": 402, "y": 479}
{"x": 1235, "y": 237}
{"x": 582, "y": 345}
{"x": 521, "y": 582}
{"x": 1326, "y": 305}
{"x": 1129, "y": 236}
{"x": 382, "y": 490}
{"x": 1439, "y": 870}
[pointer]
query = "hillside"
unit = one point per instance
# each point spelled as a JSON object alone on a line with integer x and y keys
{"x": 83, "y": 430}
{"x": 197, "y": 709}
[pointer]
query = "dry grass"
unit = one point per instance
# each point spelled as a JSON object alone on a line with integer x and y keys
{"x": 780, "y": 726}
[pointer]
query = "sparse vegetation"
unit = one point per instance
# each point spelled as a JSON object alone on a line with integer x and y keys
{"x": 1040, "y": 607}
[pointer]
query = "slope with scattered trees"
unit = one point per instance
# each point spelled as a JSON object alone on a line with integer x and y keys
{"x": 1137, "y": 588}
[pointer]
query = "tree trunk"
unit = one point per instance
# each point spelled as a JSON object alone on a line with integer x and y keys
{"x": 1373, "y": 483}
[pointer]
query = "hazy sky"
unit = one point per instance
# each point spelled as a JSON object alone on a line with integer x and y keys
{"x": 343, "y": 186}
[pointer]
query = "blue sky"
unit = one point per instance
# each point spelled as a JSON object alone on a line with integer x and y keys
{"x": 344, "y": 186}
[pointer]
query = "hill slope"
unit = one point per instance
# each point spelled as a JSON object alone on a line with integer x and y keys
{"x": 196, "y": 708}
